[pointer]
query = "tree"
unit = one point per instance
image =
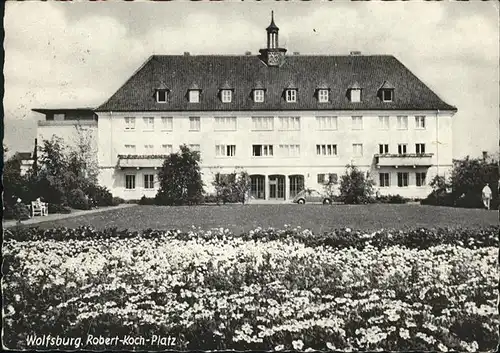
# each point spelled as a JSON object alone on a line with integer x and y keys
{"x": 83, "y": 155}
{"x": 330, "y": 188}
{"x": 232, "y": 187}
{"x": 242, "y": 186}
{"x": 14, "y": 184}
{"x": 180, "y": 179}
{"x": 354, "y": 187}
{"x": 469, "y": 176}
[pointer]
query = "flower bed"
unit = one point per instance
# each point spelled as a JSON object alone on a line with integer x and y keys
{"x": 268, "y": 289}
{"x": 341, "y": 238}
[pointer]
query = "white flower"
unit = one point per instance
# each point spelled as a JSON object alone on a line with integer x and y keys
{"x": 279, "y": 348}
{"x": 297, "y": 345}
{"x": 404, "y": 333}
{"x": 442, "y": 347}
{"x": 17, "y": 297}
{"x": 330, "y": 346}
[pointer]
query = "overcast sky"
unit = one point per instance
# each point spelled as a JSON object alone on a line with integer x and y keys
{"x": 78, "y": 54}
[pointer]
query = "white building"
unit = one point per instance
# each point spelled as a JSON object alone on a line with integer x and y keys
{"x": 290, "y": 121}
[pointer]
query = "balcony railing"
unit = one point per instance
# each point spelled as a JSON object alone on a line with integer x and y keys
{"x": 404, "y": 160}
{"x": 67, "y": 122}
{"x": 141, "y": 161}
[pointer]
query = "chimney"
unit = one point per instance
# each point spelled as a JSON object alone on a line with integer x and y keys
{"x": 248, "y": 53}
{"x": 355, "y": 53}
{"x": 296, "y": 53}
{"x": 186, "y": 53}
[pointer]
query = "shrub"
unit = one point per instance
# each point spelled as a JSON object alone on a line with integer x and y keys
{"x": 21, "y": 211}
{"x": 355, "y": 188}
{"x": 147, "y": 201}
{"x": 100, "y": 194}
{"x": 210, "y": 198}
{"x": 117, "y": 201}
{"x": 392, "y": 199}
{"x": 56, "y": 208}
{"x": 78, "y": 200}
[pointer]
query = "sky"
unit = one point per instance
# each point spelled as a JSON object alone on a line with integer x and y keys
{"x": 77, "y": 54}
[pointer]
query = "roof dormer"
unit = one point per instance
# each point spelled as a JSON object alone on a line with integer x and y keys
{"x": 386, "y": 92}
{"x": 354, "y": 92}
{"x": 226, "y": 93}
{"x": 194, "y": 93}
{"x": 323, "y": 93}
{"x": 161, "y": 93}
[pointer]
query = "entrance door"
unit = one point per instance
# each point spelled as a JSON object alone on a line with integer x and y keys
{"x": 257, "y": 186}
{"x": 296, "y": 185}
{"x": 277, "y": 187}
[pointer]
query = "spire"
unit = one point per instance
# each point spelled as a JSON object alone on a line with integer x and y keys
{"x": 272, "y": 26}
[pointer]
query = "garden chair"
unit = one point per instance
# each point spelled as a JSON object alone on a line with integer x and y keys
{"x": 39, "y": 208}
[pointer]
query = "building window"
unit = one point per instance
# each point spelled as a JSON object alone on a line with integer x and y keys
{"x": 161, "y": 96}
{"x": 387, "y": 95}
{"x": 326, "y": 123}
{"x": 357, "y": 149}
{"x": 167, "y": 149}
{"x": 225, "y": 123}
{"x": 262, "y": 123}
{"x": 357, "y": 123}
{"x": 289, "y": 123}
{"x": 383, "y": 148}
{"x": 167, "y": 123}
{"x": 291, "y": 95}
{"x": 402, "y": 123}
{"x": 262, "y": 150}
{"x": 402, "y": 148}
{"x": 355, "y": 95}
{"x": 194, "y": 147}
{"x": 149, "y": 124}
{"x": 149, "y": 181}
{"x": 420, "y": 122}
{"x": 194, "y": 123}
{"x": 130, "y": 149}
{"x": 289, "y": 150}
{"x": 328, "y": 178}
{"x": 194, "y": 96}
{"x": 326, "y": 150}
{"x": 383, "y": 122}
{"x": 420, "y": 148}
{"x": 258, "y": 95}
{"x": 130, "y": 182}
{"x": 129, "y": 123}
{"x": 323, "y": 96}
{"x": 384, "y": 180}
{"x": 225, "y": 150}
{"x": 226, "y": 95}
{"x": 402, "y": 179}
{"x": 149, "y": 149}
{"x": 421, "y": 178}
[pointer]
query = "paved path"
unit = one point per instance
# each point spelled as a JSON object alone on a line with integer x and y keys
{"x": 58, "y": 216}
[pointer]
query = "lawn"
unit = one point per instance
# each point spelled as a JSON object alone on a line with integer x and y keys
{"x": 318, "y": 218}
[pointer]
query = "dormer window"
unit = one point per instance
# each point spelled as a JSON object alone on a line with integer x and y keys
{"x": 355, "y": 95}
{"x": 387, "y": 95}
{"x": 161, "y": 95}
{"x": 323, "y": 95}
{"x": 258, "y": 95}
{"x": 291, "y": 95}
{"x": 386, "y": 92}
{"x": 194, "y": 96}
{"x": 226, "y": 95}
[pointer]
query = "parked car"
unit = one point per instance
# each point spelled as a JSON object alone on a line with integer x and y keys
{"x": 311, "y": 195}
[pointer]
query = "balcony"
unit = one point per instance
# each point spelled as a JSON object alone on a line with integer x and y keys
{"x": 67, "y": 122}
{"x": 141, "y": 161}
{"x": 404, "y": 160}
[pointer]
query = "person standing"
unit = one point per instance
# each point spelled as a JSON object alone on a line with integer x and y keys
{"x": 487, "y": 196}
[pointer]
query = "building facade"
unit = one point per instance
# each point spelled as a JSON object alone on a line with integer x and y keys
{"x": 290, "y": 121}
